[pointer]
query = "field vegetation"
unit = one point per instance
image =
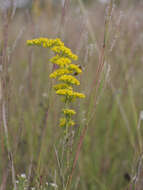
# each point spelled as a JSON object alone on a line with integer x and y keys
{"x": 103, "y": 150}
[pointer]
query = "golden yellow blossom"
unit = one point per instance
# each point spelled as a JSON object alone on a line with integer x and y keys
{"x": 70, "y": 93}
{"x": 65, "y": 92}
{"x": 69, "y": 79}
{"x": 71, "y": 123}
{"x": 45, "y": 42}
{"x": 66, "y": 69}
{"x": 62, "y": 86}
{"x": 63, "y": 122}
{"x": 74, "y": 68}
{"x": 61, "y": 61}
{"x": 64, "y": 51}
{"x": 59, "y": 72}
{"x": 79, "y": 95}
{"x": 69, "y": 112}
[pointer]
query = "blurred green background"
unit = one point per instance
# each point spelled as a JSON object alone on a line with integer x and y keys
{"x": 113, "y": 143}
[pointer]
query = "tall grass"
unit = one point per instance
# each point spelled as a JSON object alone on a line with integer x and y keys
{"x": 106, "y": 144}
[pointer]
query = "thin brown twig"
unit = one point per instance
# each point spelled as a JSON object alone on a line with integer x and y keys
{"x": 84, "y": 129}
{"x": 5, "y": 95}
{"x": 63, "y": 17}
{"x": 64, "y": 11}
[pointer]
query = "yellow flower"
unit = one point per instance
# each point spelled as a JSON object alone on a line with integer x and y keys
{"x": 70, "y": 93}
{"x": 54, "y": 59}
{"x": 59, "y": 72}
{"x": 65, "y": 92}
{"x": 71, "y": 123}
{"x": 61, "y": 61}
{"x": 64, "y": 51}
{"x": 63, "y": 58}
{"x": 45, "y": 42}
{"x": 69, "y": 112}
{"x": 79, "y": 95}
{"x": 74, "y": 68}
{"x": 63, "y": 122}
{"x": 69, "y": 79}
{"x": 62, "y": 86}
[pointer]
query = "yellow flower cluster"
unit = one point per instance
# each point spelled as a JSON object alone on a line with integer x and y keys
{"x": 69, "y": 112}
{"x": 69, "y": 79}
{"x": 74, "y": 68}
{"x": 62, "y": 86}
{"x": 64, "y": 51}
{"x": 64, "y": 122}
{"x": 45, "y": 42}
{"x": 60, "y": 61}
{"x": 70, "y": 94}
{"x": 65, "y": 74}
{"x": 59, "y": 72}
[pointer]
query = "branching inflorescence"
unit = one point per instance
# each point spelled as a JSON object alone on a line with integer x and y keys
{"x": 64, "y": 74}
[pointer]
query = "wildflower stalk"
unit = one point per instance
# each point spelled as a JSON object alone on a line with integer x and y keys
{"x": 65, "y": 73}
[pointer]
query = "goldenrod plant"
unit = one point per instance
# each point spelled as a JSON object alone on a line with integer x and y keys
{"x": 65, "y": 75}
{"x": 103, "y": 150}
